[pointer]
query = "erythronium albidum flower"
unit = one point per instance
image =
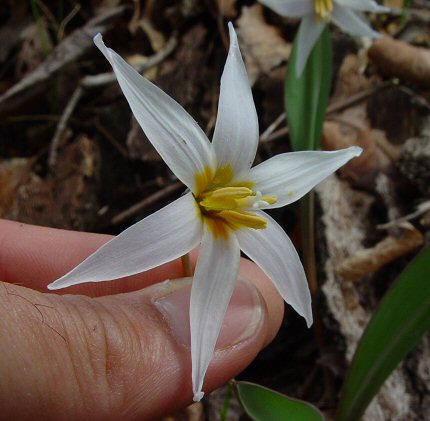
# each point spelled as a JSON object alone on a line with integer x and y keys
{"x": 316, "y": 14}
{"x": 222, "y": 210}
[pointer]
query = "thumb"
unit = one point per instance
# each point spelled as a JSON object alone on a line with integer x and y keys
{"x": 116, "y": 357}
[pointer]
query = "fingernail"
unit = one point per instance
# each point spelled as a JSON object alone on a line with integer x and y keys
{"x": 243, "y": 317}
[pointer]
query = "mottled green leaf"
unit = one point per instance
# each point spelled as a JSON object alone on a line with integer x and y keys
{"x": 306, "y": 97}
{"x": 398, "y": 324}
{"x": 263, "y": 404}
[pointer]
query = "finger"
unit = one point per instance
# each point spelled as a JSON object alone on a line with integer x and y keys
{"x": 117, "y": 357}
{"x": 34, "y": 256}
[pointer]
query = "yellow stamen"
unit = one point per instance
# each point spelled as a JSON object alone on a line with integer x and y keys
{"x": 238, "y": 192}
{"x": 237, "y": 219}
{"x": 225, "y": 205}
{"x": 224, "y": 197}
{"x": 218, "y": 204}
{"x": 323, "y": 9}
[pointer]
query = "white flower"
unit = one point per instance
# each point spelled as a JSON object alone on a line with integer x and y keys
{"x": 316, "y": 14}
{"x": 222, "y": 210}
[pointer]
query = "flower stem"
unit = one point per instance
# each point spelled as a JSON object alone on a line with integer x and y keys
{"x": 308, "y": 242}
{"x": 186, "y": 265}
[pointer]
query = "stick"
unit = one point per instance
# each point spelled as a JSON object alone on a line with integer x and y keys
{"x": 91, "y": 82}
{"x": 138, "y": 207}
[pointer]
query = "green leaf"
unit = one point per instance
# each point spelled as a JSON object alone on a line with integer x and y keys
{"x": 306, "y": 97}
{"x": 400, "y": 321}
{"x": 263, "y": 404}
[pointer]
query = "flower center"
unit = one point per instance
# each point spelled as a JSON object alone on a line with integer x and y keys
{"x": 323, "y": 9}
{"x": 225, "y": 204}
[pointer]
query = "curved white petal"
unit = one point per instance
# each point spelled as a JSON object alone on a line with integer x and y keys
{"x": 213, "y": 284}
{"x": 364, "y": 6}
{"x": 309, "y": 32}
{"x": 173, "y": 132}
{"x": 290, "y": 8}
{"x": 289, "y": 176}
{"x": 161, "y": 237}
{"x": 352, "y": 23}
{"x": 274, "y": 252}
{"x": 235, "y": 137}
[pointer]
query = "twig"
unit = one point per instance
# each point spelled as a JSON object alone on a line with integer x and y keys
{"x": 102, "y": 79}
{"x": 365, "y": 261}
{"x": 115, "y": 143}
{"x": 91, "y": 82}
{"x": 48, "y": 14}
{"x": 272, "y": 127}
{"x": 138, "y": 207}
{"x": 62, "y": 125}
{"x": 419, "y": 99}
{"x": 66, "y": 20}
{"x": 422, "y": 208}
{"x": 31, "y": 117}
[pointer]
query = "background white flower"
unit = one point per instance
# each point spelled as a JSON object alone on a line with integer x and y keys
{"x": 316, "y": 14}
{"x": 222, "y": 210}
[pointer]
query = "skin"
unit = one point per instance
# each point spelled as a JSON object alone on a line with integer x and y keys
{"x": 101, "y": 351}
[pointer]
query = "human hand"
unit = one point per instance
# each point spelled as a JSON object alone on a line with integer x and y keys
{"x": 116, "y": 351}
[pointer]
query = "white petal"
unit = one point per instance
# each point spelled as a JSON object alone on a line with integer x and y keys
{"x": 309, "y": 32}
{"x": 236, "y": 131}
{"x": 290, "y": 8}
{"x": 274, "y": 252}
{"x": 364, "y": 6}
{"x": 351, "y": 23}
{"x": 173, "y": 132}
{"x": 213, "y": 284}
{"x": 161, "y": 237}
{"x": 290, "y": 176}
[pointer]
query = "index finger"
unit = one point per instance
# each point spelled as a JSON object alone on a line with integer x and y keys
{"x": 34, "y": 256}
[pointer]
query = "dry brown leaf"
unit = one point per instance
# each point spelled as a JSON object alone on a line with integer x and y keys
{"x": 363, "y": 169}
{"x": 227, "y": 8}
{"x": 13, "y": 173}
{"x": 32, "y": 51}
{"x": 10, "y": 31}
{"x": 351, "y": 78}
{"x": 66, "y": 199}
{"x": 104, "y": 6}
{"x": 366, "y": 261}
{"x": 156, "y": 38}
{"x": 194, "y": 412}
{"x": 65, "y": 54}
{"x": 394, "y": 4}
{"x": 262, "y": 45}
{"x": 395, "y": 58}
{"x": 350, "y": 81}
